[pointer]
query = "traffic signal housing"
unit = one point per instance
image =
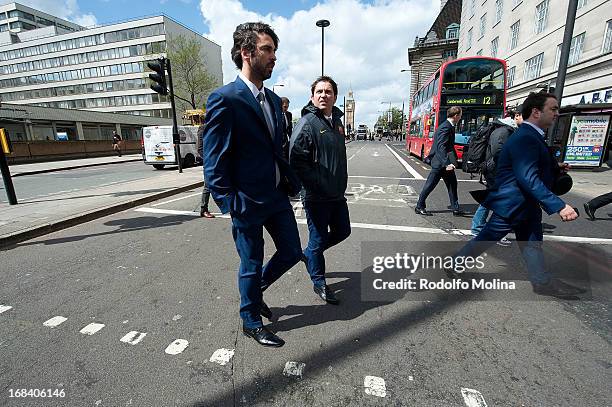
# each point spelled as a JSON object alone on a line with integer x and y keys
{"x": 159, "y": 77}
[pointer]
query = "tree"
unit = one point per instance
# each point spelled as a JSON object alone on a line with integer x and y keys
{"x": 191, "y": 80}
{"x": 396, "y": 120}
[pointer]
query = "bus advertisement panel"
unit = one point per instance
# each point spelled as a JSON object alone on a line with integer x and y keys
{"x": 476, "y": 84}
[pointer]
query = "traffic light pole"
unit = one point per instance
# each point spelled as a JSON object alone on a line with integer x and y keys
{"x": 175, "y": 133}
{"x": 8, "y": 181}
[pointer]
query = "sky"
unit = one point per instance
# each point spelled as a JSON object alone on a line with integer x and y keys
{"x": 366, "y": 45}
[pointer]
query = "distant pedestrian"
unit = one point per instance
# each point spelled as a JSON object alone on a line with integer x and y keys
{"x": 443, "y": 163}
{"x": 288, "y": 120}
{"x": 318, "y": 156}
{"x": 117, "y": 140}
{"x": 204, "y": 212}
{"x": 596, "y": 203}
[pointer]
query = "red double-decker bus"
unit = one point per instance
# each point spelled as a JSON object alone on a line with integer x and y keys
{"x": 476, "y": 84}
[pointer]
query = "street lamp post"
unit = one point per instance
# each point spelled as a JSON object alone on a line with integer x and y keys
{"x": 322, "y": 24}
{"x": 278, "y": 84}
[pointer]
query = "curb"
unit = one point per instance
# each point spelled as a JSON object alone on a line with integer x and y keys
{"x": 17, "y": 237}
{"x": 19, "y": 174}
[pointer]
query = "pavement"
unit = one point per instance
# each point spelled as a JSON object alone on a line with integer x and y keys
{"x": 35, "y": 218}
{"x": 29, "y": 219}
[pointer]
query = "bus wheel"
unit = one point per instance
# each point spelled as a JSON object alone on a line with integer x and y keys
{"x": 158, "y": 166}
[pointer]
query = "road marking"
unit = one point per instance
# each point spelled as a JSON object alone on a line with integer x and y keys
{"x": 176, "y": 347}
{"x": 222, "y": 356}
{"x": 4, "y": 308}
{"x": 375, "y": 386}
{"x": 473, "y": 398}
{"x": 399, "y": 228}
{"x": 391, "y": 178}
{"x": 407, "y": 166}
{"x": 55, "y": 321}
{"x": 294, "y": 369}
{"x": 297, "y": 208}
{"x": 176, "y": 199}
{"x": 133, "y": 337}
{"x": 91, "y": 328}
{"x": 351, "y": 157}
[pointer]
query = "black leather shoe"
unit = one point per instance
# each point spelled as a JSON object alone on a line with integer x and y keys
{"x": 265, "y": 311}
{"x": 589, "y": 211}
{"x": 326, "y": 294}
{"x": 263, "y": 336}
{"x": 422, "y": 211}
{"x": 458, "y": 212}
{"x": 558, "y": 289}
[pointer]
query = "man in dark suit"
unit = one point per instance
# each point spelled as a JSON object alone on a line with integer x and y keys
{"x": 288, "y": 121}
{"x": 443, "y": 163}
{"x": 526, "y": 172}
{"x": 248, "y": 176}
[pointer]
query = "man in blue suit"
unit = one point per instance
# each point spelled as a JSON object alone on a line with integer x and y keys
{"x": 248, "y": 176}
{"x": 443, "y": 163}
{"x": 526, "y": 172}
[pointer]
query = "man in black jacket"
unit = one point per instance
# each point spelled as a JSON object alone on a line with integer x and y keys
{"x": 317, "y": 154}
{"x": 443, "y": 163}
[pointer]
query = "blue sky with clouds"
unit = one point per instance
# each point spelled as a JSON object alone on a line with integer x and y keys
{"x": 365, "y": 46}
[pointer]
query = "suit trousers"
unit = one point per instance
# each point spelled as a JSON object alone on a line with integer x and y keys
{"x": 601, "y": 200}
{"x": 253, "y": 278}
{"x": 205, "y": 197}
{"x": 450, "y": 179}
{"x": 328, "y": 225}
{"x": 529, "y": 238}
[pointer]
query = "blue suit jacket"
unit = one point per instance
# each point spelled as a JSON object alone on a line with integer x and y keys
{"x": 443, "y": 149}
{"x": 240, "y": 156}
{"x": 526, "y": 173}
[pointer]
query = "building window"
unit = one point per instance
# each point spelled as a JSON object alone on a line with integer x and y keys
{"x": 449, "y": 53}
{"x": 511, "y": 73}
{"x": 516, "y": 3}
{"x": 494, "y": 47}
{"x": 452, "y": 31}
{"x": 472, "y": 8}
{"x": 541, "y": 16}
{"x": 514, "y": 34}
{"x": 479, "y": 53}
{"x": 575, "y": 51}
{"x": 483, "y": 24}
{"x": 499, "y": 10}
{"x": 469, "y": 38}
{"x": 3, "y": 27}
{"x": 607, "y": 43}
{"x": 2, "y": 16}
{"x": 533, "y": 67}
{"x": 582, "y": 3}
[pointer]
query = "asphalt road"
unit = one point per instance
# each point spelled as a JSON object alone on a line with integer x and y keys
{"x": 163, "y": 271}
{"x": 38, "y": 186}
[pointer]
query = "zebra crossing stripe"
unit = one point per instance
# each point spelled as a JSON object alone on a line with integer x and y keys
{"x": 4, "y": 308}
{"x": 55, "y": 321}
{"x": 91, "y": 328}
{"x": 473, "y": 398}
{"x": 133, "y": 337}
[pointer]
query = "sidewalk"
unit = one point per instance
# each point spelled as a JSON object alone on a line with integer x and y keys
{"x": 35, "y": 218}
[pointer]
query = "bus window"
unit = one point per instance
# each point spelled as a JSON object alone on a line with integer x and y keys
{"x": 435, "y": 85}
{"x": 474, "y": 74}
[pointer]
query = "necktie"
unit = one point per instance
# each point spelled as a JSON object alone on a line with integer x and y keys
{"x": 262, "y": 102}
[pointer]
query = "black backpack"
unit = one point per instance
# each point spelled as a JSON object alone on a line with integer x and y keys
{"x": 475, "y": 155}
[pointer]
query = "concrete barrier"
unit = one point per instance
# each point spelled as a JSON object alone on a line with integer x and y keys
{"x": 39, "y": 151}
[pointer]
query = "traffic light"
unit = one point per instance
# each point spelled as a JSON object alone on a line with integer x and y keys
{"x": 159, "y": 77}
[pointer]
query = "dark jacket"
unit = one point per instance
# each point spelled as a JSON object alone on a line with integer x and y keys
{"x": 497, "y": 139}
{"x": 443, "y": 149}
{"x": 525, "y": 176}
{"x": 317, "y": 154}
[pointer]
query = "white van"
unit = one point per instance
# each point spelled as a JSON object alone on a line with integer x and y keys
{"x": 158, "y": 148}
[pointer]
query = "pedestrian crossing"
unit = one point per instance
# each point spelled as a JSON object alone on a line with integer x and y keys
{"x": 373, "y": 386}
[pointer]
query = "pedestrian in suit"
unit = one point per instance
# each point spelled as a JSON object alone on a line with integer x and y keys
{"x": 526, "y": 172}
{"x": 596, "y": 203}
{"x": 248, "y": 176}
{"x": 318, "y": 156}
{"x": 443, "y": 163}
{"x": 287, "y": 119}
{"x": 204, "y": 211}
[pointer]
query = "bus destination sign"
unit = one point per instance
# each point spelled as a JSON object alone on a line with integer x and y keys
{"x": 468, "y": 100}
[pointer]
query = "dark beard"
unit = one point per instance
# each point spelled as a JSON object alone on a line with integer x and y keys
{"x": 260, "y": 71}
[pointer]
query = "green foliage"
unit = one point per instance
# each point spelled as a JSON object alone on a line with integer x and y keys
{"x": 192, "y": 82}
{"x": 396, "y": 121}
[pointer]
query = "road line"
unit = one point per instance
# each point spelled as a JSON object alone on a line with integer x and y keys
{"x": 400, "y": 228}
{"x": 407, "y": 166}
{"x": 4, "y": 308}
{"x": 295, "y": 369}
{"x": 91, "y": 328}
{"x": 176, "y": 199}
{"x": 133, "y": 337}
{"x": 473, "y": 398}
{"x": 394, "y": 178}
{"x": 375, "y": 386}
{"x": 55, "y": 321}
{"x": 222, "y": 356}
{"x": 176, "y": 347}
{"x": 355, "y": 153}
